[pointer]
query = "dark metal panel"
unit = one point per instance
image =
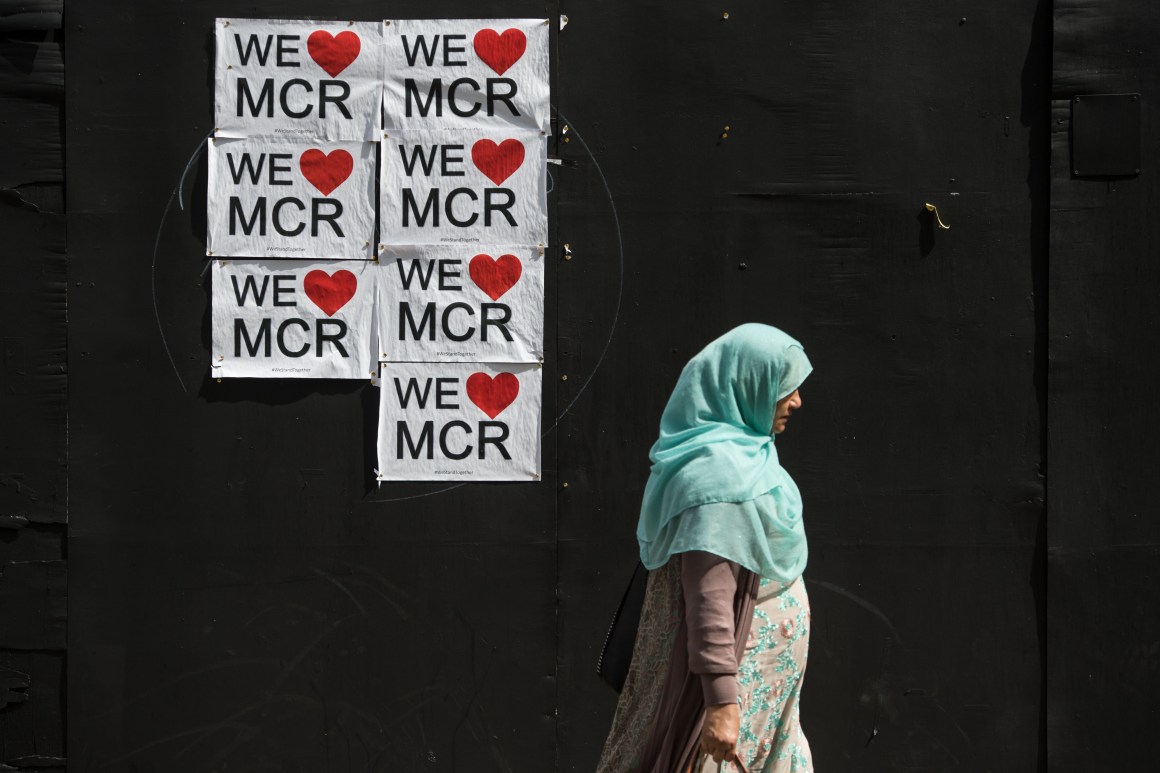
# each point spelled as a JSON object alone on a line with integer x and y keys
{"x": 1103, "y": 621}
{"x": 243, "y": 595}
{"x": 1105, "y": 135}
{"x": 32, "y": 605}
{"x": 33, "y": 422}
{"x": 344, "y": 658}
{"x": 774, "y": 166}
{"x": 31, "y": 92}
{"x": 33, "y": 720}
{"x": 248, "y": 597}
{"x": 32, "y": 367}
{"x": 230, "y": 570}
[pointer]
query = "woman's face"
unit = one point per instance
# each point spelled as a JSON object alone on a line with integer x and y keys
{"x": 785, "y": 406}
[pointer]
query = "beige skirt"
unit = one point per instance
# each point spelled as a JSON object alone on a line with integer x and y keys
{"x": 769, "y": 682}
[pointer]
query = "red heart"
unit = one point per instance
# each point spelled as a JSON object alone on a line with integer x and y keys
{"x": 326, "y": 172}
{"x": 495, "y": 276}
{"x": 330, "y": 292}
{"x": 492, "y": 395}
{"x": 499, "y": 52}
{"x": 498, "y": 162}
{"x": 334, "y": 53}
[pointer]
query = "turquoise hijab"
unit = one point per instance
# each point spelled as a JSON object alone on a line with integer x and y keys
{"x": 716, "y": 447}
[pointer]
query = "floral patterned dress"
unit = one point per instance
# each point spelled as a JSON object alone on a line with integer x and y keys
{"x": 769, "y": 682}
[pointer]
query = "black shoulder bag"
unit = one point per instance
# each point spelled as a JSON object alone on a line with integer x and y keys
{"x": 616, "y": 654}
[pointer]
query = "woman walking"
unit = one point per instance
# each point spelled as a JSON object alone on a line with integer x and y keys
{"x": 720, "y": 653}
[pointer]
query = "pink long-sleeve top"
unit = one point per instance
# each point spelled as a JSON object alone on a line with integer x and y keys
{"x": 709, "y": 585}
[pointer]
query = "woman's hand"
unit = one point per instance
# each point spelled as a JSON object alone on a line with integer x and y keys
{"x": 719, "y": 733}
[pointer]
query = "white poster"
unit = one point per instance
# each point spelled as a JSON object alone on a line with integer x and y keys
{"x": 287, "y": 78}
{"x": 473, "y": 303}
{"x": 291, "y": 199}
{"x": 463, "y": 187}
{"x": 466, "y": 73}
{"x": 459, "y": 422}
{"x": 293, "y": 319}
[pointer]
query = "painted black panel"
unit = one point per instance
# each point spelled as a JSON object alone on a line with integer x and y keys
{"x": 32, "y": 365}
{"x": 774, "y": 166}
{"x": 1103, "y": 618}
{"x": 33, "y": 723}
{"x": 33, "y": 388}
{"x": 245, "y": 597}
{"x": 31, "y": 93}
{"x": 242, "y": 595}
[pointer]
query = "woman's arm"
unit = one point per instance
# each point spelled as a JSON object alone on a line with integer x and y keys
{"x": 709, "y": 585}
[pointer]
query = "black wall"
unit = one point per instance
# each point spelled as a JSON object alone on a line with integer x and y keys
{"x": 1103, "y": 561}
{"x": 919, "y": 447}
{"x": 242, "y": 597}
{"x": 33, "y": 387}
